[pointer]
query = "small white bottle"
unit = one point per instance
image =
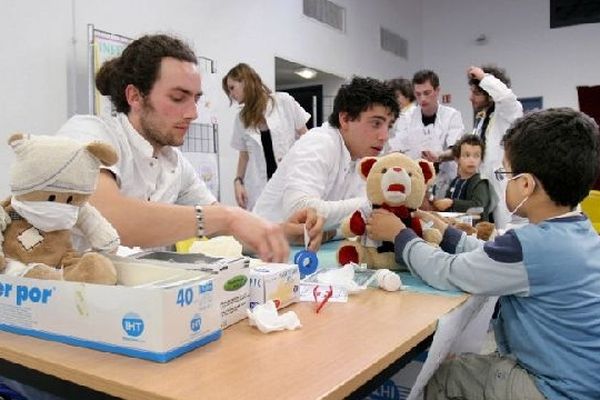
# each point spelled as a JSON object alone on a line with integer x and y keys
{"x": 387, "y": 280}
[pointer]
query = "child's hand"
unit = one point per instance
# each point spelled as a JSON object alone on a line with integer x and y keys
{"x": 442, "y": 204}
{"x": 438, "y": 223}
{"x": 383, "y": 225}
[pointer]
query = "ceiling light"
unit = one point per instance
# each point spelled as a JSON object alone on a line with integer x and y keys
{"x": 306, "y": 73}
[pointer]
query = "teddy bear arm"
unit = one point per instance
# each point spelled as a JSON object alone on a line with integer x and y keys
{"x": 4, "y": 222}
{"x": 345, "y": 227}
{"x": 98, "y": 231}
{"x": 4, "y": 219}
{"x": 432, "y": 235}
{"x": 357, "y": 224}
{"x": 485, "y": 230}
{"x": 353, "y": 225}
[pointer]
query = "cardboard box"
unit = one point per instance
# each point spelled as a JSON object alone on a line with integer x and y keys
{"x": 156, "y": 313}
{"x": 277, "y": 282}
{"x": 230, "y": 277}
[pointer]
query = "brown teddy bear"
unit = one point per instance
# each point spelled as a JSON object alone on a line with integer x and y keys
{"x": 51, "y": 181}
{"x": 482, "y": 230}
{"x": 485, "y": 230}
{"x": 395, "y": 183}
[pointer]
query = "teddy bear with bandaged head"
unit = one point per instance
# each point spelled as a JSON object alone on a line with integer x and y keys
{"x": 51, "y": 181}
{"x": 395, "y": 183}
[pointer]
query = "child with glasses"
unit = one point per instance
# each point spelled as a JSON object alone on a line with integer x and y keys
{"x": 467, "y": 190}
{"x": 547, "y": 273}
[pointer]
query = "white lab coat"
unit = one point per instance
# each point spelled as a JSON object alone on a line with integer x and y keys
{"x": 317, "y": 172}
{"x": 398, "y": 131}
{"x": 283, "y": 116}
{"x": 167, "y": 177}
{"x": 506, "y": 110}
{"x": 446, "y": 130}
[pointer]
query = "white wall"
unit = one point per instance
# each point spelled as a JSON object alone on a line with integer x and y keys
{"x": 33, "y": 71}
{"x": 43, "y": 51}
{"x": 540, "y": 61}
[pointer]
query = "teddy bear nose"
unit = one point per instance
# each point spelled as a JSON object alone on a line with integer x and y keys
{"x": 397, "y": 169}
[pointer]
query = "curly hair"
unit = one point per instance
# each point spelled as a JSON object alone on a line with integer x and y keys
{"x": 470, "y": 139}
{"x": 560, "y": 147}
{"x": 256, "y": 94}
{"x": 499, "y": 73}
{"x": 139, "y": 65}
{"x": 359, "y": 95}
{"x": 402, "y": 85}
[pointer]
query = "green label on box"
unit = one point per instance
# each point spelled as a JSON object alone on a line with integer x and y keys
{"x": 235, "y": 283}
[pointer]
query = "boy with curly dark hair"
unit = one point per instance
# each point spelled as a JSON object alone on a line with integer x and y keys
{"x": 319, "y": 170}
{"x": 547, "y": 273}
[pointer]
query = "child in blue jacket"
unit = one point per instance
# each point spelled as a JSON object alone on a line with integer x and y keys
{"x": 546, "y": 273}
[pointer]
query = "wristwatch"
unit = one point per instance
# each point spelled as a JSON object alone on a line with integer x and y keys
{"x": 199, "y": 221}
{"x": 239, "y": 178}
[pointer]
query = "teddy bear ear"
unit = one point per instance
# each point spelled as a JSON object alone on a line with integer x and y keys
{"x": 428, "y": 170}
{"x": 365, "y": 165}
{"x": 15, "y": 139}
{"x": 103, "y": 152}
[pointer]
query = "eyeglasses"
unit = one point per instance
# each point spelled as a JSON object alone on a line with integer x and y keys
{"x": 500, "y": 172}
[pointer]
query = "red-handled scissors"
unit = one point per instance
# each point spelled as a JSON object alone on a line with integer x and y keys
{"x": 326, "y": 297}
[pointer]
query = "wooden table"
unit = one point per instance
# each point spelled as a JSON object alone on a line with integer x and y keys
{"x": 333, "y": 354}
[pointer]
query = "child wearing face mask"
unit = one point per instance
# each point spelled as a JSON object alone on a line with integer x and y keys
{"x": 547, "y": 273}
{"x": 467, "y": 189}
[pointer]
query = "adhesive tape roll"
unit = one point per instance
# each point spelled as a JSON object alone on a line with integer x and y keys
{"x": 307, "y": 262}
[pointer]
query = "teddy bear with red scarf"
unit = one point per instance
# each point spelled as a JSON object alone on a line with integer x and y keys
{"x": 395, "y": 183}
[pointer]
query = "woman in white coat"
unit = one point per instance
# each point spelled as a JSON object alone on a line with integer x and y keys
{"x": 405, "y": 97}
{"x": 264, "y": 130}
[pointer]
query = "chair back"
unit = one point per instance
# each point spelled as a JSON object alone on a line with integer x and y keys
{"x": 591, "y": 207}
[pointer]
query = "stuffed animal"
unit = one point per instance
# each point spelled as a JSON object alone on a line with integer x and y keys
{"x": 398, "y": 184}
{"x": 482, "y": 230}
{"x": 485, "y": 230}
{"x": 51, "y": 181}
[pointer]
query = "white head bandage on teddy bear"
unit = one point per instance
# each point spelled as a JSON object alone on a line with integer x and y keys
{"x": 52, "y": 163}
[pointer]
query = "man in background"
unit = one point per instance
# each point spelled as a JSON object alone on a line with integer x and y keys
{"x": 496, "y": 107}
{"x": 433, "y": 129}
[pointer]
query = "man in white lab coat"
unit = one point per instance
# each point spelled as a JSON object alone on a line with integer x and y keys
{"x": 495, "y": 107}
{"x": 433, "y": 129}
{"x": 153, "y": 196}
{"x": 319, "y": 171}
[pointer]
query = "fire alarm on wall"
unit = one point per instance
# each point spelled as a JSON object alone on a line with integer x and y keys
{"x": 446, "y": 98}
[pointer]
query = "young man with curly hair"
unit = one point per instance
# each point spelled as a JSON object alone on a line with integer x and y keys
{"x": 319, "y": 171}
